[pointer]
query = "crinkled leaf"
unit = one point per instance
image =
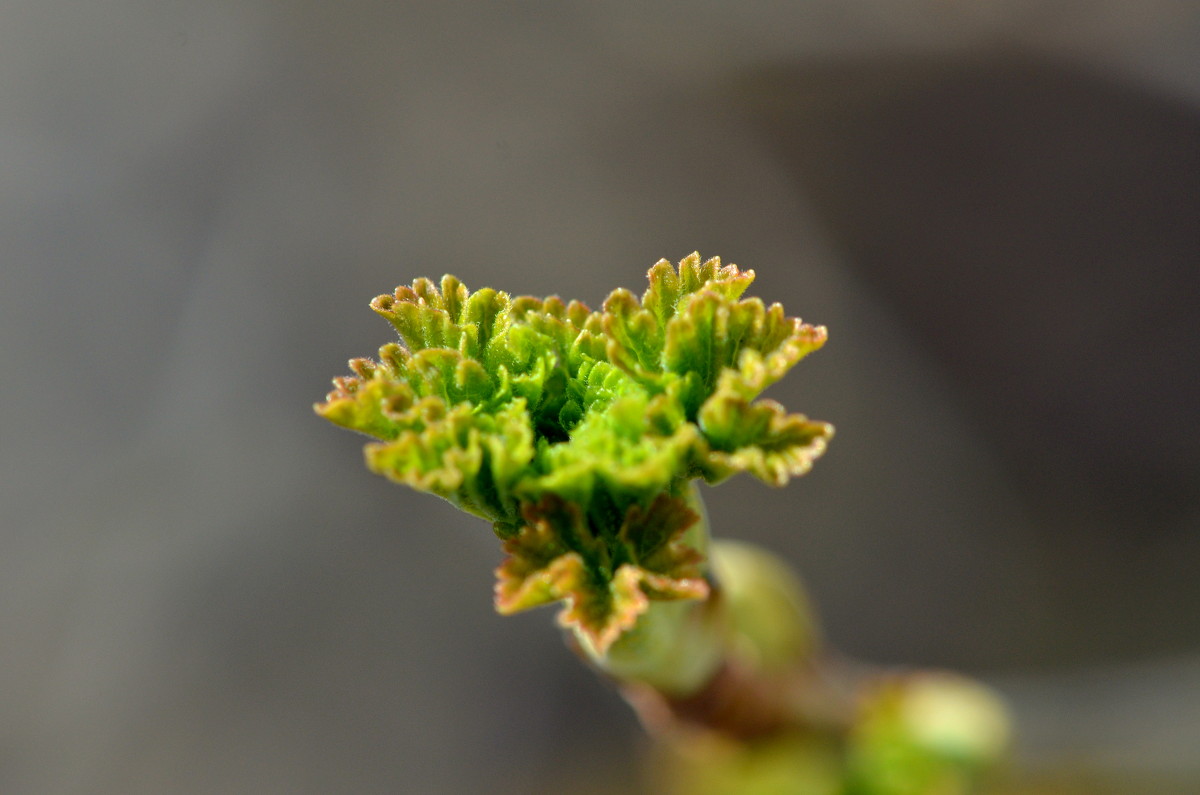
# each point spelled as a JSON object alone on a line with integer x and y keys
{"x": 691, "y": 326}
{"x": 631, "y": 451}
{"x": 758, "y": 437}
{"x": 531, "y": 575}
{"x": 474, "y": 460}
{"x": 426, "y": 317}
{"x": 653, "y": 540}
{"x": 557, "y": 556}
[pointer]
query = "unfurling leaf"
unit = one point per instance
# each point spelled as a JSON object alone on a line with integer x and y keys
{"x": 557, "y": 556}
{"x": 576, "y": 432}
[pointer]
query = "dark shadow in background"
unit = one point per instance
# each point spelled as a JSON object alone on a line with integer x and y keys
{"x": 1037, "y": 227}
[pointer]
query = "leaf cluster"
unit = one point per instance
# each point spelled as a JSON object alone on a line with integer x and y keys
{"x": 577, "y": 432}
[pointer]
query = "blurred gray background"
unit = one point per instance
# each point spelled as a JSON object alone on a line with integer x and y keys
{"x": 994, "y": 207}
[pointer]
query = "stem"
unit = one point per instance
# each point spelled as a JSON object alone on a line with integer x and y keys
{"x": 769, "y": 673}
{"x": 745, "y": 661}
{"x": 748, "y": 664}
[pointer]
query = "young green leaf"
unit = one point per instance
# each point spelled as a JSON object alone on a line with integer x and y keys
{"x": 576, "y": 432}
